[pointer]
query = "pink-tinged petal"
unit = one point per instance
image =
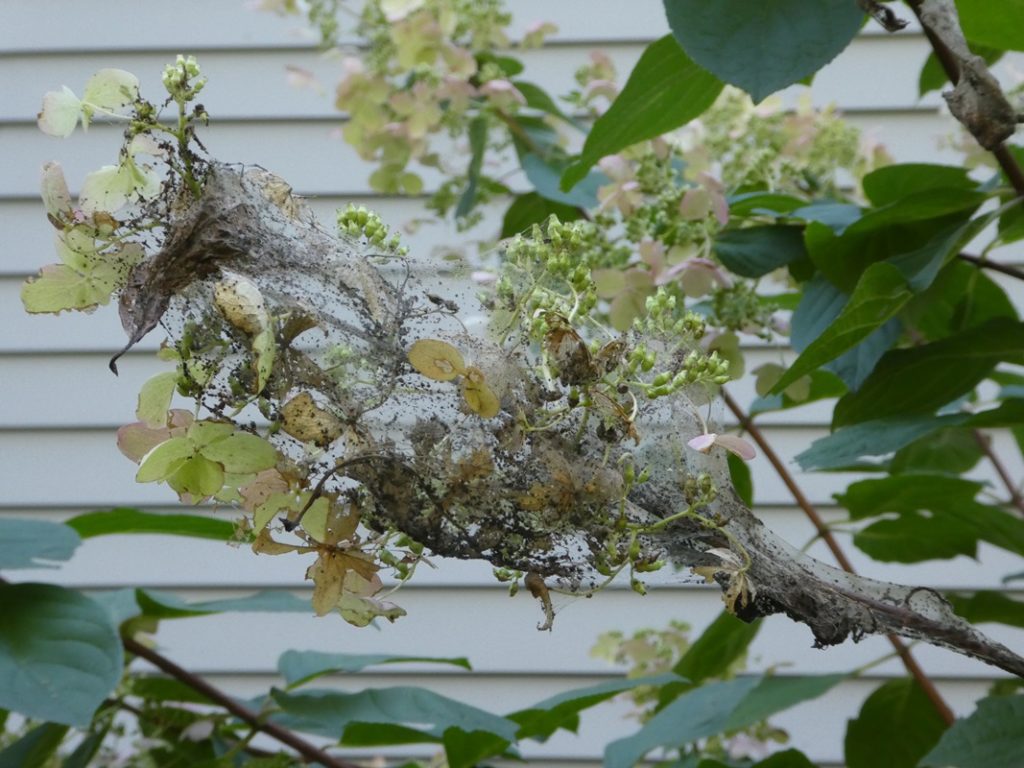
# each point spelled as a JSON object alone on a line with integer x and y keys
{"x": 736, "y": 445}
{"x": 652, "y": 253}
{"x": 616, "y": 168}
{"x": 720, "y": 207}
{"x": 703, "y": 443}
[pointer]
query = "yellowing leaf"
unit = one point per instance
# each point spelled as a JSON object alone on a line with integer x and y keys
{"x": 198, "y": 477}
{"x": 241, "y": 452}
{"x": 328, "y": 576}
{"x": 114, "y": 186}
{"x": 264, "y": 349}
{"x": 304, "y": 420}
{"x": 360, "y": 611}
{"x": 478, "y": 396}
{"x": 240, "y": 302}
{"x": 271, "y": 506}
{"x": 55, "y": 194}
{"x": 314, "y": 522}
{"x": 436, "y": 359}
{"x": 206, "y": 432}
{"x": 164, "y": 460}
{"x": 155, "y": 399}
{"x": 59, "y": 287}
{"x": 60, "y": 113}
{"x": 265, "y": 544}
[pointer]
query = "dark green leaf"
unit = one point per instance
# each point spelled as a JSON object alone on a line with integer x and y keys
{"x": 847, "y": 446}
{"x": 86, "y": 750}
{"x": 757, "y": 203}
{"x": 822, "y": 303}
{"x": 952, "y": 451}
{"x": 699, "y": 713}
{"x": 60, "y": 654}
{"x": 742, "y": 481}
{"x": 992, "y": 737}
{"x": 465, "y": 750}
{"x": 298, "y": 667}
{"x": 477, "y": 145}
{"x": 35, "y": 543}
{"x": 763, "y": 47}
{"x": 123, "y": 520}
{"x": 35, "y": 748}
{"x": 776, "y": 693}
{"x": 989, "y": 606}
{"x": 879, "y": 295}
{"x": 712, "y": 654}
{"x": 892, "y": 183}
{"x": 961, "y": 297}
{"x": 544, "y": 176}
{"x": 509, "y": 65}
{"x": 537, "y": 98}
{"x": 385, "y": 734}
{"x": 161, "y": 689}
{"x": 836, "y": 216}
{"x": 936, "y": 517}
{"x": 562, "y": 711}
{"x": 165, "y": 605}
{"x": 531, "y": 208}
{"x": 664, "y": 91}
{"x": 895, "y": 728}
{"x": 919, "y": 380}
{"x": 756, "y": 251}
{"x": 327, "y": 713}
{"x": 994, "y": 23}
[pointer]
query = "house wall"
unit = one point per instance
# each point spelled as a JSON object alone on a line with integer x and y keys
{"x": 59, "y": 405}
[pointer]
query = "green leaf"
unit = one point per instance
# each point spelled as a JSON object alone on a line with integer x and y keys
{"x": 60, "y": 654}
{"x": 165, "y": 689}
{"x": 544, "y": 176}
{"x": 790, "y": 758}
{"x": 879, "y": 437}
{"x": 936, "y": 517}
{"x": 994, "y": 23}
{"x": 763, "y": 47}
{"x": 465, "y": 750}
{"x": 895, "y": 728}
{"x": 776, "y": 693}
{"x": 298, "y": 667}
{"x": 821, "y": 305}
{"x": 532, "y": 208}
{"x": 122, "y": 520}
{"x": 933, "y": 76}
{"x": 541, "y": 720}
{"x": 385, "y": 734}
{"x": 919, "y": 380}
{"x": 59, "y": 287}
{"x": 537, "y": 98}
{"x": 992, "y": 737}
{"x": 86, "y": 750}
{"x": 170, "y": 606}
{"x": 989, "y": 606}
{"x": 477, "y": 145}
{"x": 35, "y": 543}
{"x": 664, "y": 91}
{"x": 699, "y": 713}
{"x": 35, "y": 748}
{"x": 951, "y": 451}
{"x": 164, "y": 460}
{"x": 893, "y": 183}
{"x": 742, "y": 481}
{"x": 328, "y": 713}
{"x": 879, "y": 295}
{"x": 241, "y": 453}
{"x": 155, "y": 399}
{"x": 756, "y": 251}
{"x": 724, "y": 641}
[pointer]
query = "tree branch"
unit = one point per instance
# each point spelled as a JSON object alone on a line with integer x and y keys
{"x": 976, "y": 99}
{"x": 309, "y": 753}
{"x": 909, "y": 662}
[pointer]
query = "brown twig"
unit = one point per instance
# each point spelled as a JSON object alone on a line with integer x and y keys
{"x": 995, "y": 266}
{"x": 308, "y": 752}
{"x": 985, "y": 443}
{"x": 911, "y": 665}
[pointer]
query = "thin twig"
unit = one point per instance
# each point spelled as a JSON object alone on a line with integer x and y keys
{"x": 993, "y": 265}
{"x": 823, "y": 531}
{"x": 309, "y": 752}
{"x": 985, "y": 443}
